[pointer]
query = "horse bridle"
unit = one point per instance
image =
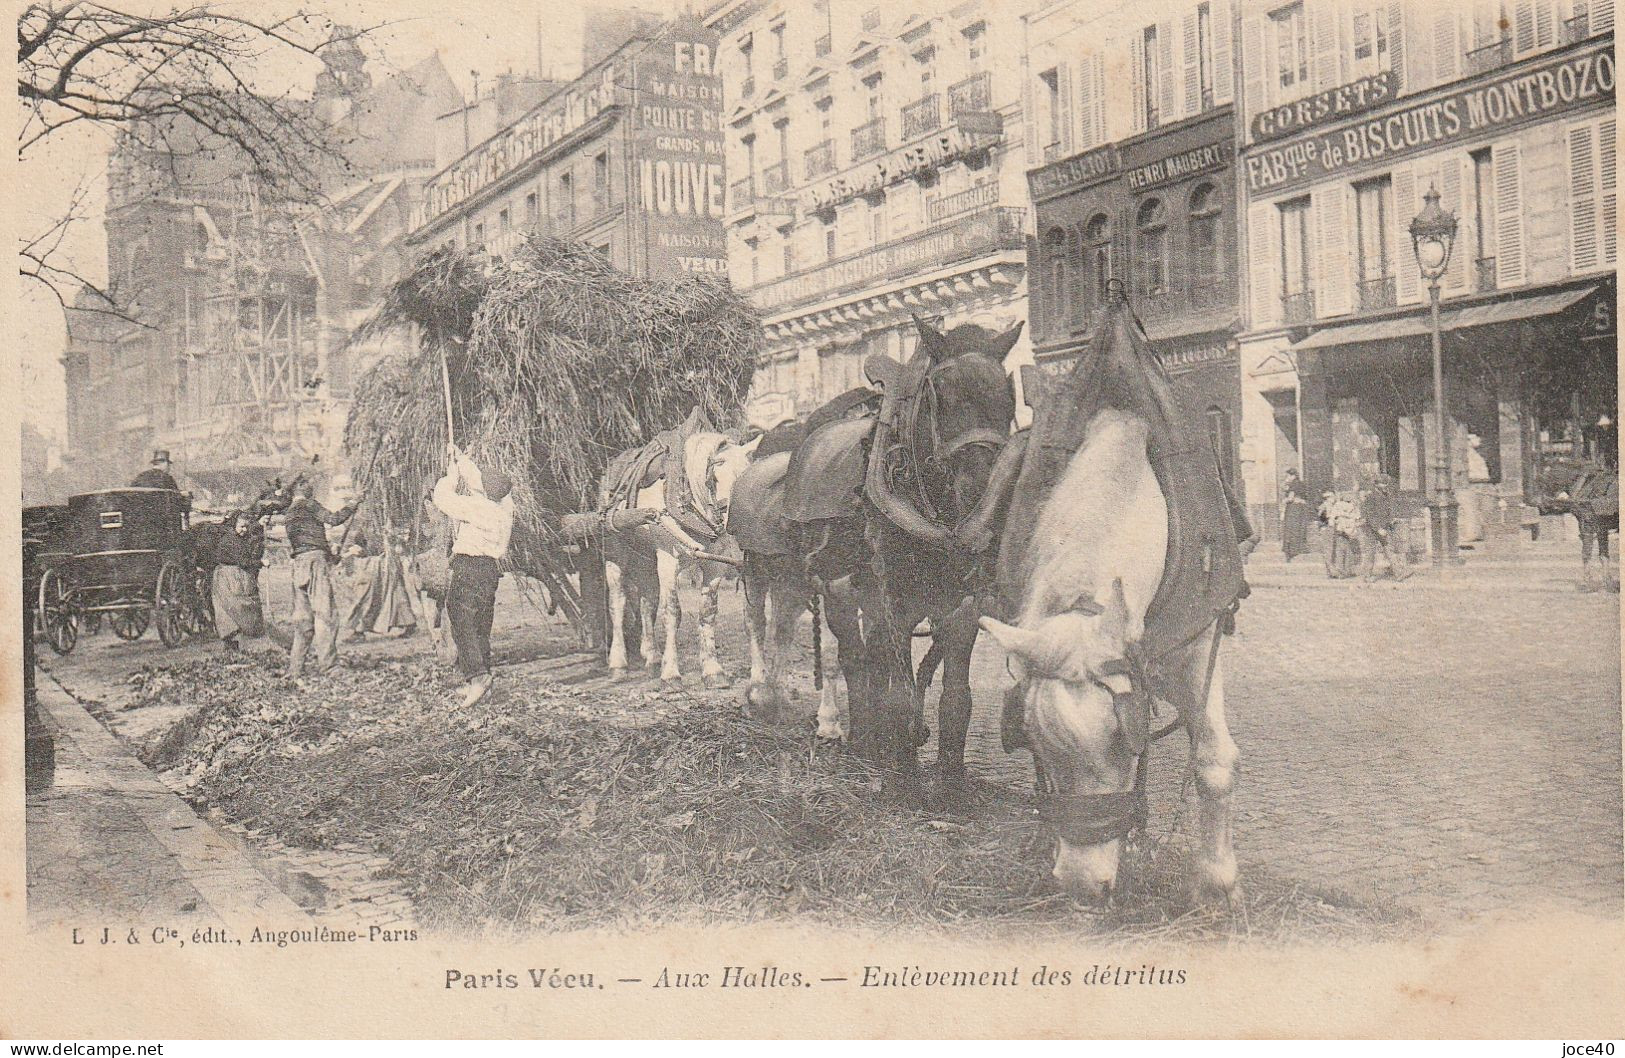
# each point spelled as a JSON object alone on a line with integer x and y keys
{"x": 939, "y": 457}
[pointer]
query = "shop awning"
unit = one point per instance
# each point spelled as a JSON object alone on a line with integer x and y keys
{"x": 1527, "y": 307}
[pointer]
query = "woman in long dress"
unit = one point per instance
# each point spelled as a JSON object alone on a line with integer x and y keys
{"x": 235, "y": 588}
{"x": 382, "y": 603}
{"x": 1296, "y": 515}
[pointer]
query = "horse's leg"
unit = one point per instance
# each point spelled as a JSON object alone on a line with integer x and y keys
{"x": 1215, "y": 763}
{"x": 954, "y": 704}
{"x": 616, "y": 590}
{"x": 646, "y": 584}
{"x": 672, "y": 612}
{"x": 758, "y": 576}
{"x": 711, "y": 670}
{"x": 841, "y": 614}
{"x": 789, "y": 601}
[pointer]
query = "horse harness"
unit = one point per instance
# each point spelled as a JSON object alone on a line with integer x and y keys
{"x": 920, "y": 457}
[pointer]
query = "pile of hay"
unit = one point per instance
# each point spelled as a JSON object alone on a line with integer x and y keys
{"x": 557, "y": 361}
{"x": 553, "y": 807}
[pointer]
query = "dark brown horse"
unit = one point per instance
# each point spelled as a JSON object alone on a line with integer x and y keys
{"x": 863, "y": 515}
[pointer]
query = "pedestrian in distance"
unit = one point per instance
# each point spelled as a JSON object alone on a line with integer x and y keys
{"x": 315, "y": 601}
{"x": 1378, "y": 525}
{"x": 238, "y": 611}
{"x": 1295, "y": 516}
{"x": 483, "y": 523}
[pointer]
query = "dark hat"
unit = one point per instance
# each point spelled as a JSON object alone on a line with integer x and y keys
{"x": 160, "y": 455}
{"x": 495, "y": 483}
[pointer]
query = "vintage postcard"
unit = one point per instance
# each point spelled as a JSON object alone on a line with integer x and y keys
{"x": 1029, "y": 518}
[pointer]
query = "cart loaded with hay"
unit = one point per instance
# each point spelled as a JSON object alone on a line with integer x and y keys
{"x": 547, "y": 365}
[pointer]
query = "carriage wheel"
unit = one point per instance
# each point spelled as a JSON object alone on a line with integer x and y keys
{"x": 169, "y": 605}
{"x": 56, "y": 613}
{"x": 200, "y": 612}
{"x": 129, "y": 624}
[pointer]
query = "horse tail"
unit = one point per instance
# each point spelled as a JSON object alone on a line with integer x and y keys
{"x": 813, "y": 604}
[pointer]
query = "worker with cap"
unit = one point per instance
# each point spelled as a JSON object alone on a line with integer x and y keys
{"x": 315, "y": 601}
{"x": 483, "y": 521}
{"x": 157, "y": 476}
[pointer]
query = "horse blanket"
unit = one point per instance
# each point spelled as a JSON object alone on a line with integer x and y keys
{"x": 690, "y": 502}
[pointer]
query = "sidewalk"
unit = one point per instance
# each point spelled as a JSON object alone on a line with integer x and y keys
{"x": 109, "y": 845}
{"x": 1551, "y": 565}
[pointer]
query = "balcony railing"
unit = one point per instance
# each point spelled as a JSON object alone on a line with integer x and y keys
{"x": 1484, "y": 273}
{"x": 972, "y": 94}
{"x": 820, "y": 159}
{"x": 741, "y": 193}
{"x": 1489, "y": 57}
{"x": 962, "y": 202}
{"x": 1577, "y": 28}
{"x": 1298, "y": 307}
{"x": 868, "y": 139}
{"x": 821, "y": 47}
{"x": 775, "y": 178}
{"x": 1052, "y": 152}
{"x": 963, "y": 238}
{"x": 922, "y": 116}
{"x": 781, "y": 69}
{"x": 1377, "y": 293}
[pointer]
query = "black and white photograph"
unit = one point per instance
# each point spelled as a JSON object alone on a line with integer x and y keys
{"x": 817, "y": 518}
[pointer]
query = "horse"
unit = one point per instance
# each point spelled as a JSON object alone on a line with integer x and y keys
{"x": 1122, "y": 590}
{"x": 861, "y": 516}
{"x": 642, "y": 563}
{"x": 1595, "y": 504}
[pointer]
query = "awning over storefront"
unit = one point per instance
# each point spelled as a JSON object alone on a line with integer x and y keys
{"x": 1527, "y": 307}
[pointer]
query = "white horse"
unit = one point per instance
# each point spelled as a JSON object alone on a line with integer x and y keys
{"x": 1094, "y": 565}
{"x": 643, "y": 563}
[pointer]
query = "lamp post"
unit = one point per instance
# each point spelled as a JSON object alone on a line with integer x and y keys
{"x": 1433, "y": 236}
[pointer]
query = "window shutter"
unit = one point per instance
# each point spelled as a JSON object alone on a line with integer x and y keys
{"x": 1136, "y": 72}
{"x": 1397, "y": 54}
{"x": 1419, "y": 67}
{"x": 1255, "y": 84}
{"x": 1602, "y": 16}
{"x": 1063, "y": 73}
{"x": 1168, "y": 104}
{"x": 1407, "y": 279}
{"x": 1583, "y": 249}
{"x": 1450, "y": 185}
{"x": 1092, "y": 101}
{"x": 1223, "y": 76}
{"x": 1545, "y": 23}
{"x": 1333, "y": 283}
{"x": 1323, "y": 39}
{"x": 1508, "y": 215}
{"x": 1447, "y": 47}
{"x": 1523, "y": 27}
{"x": 1606, "y": 148}
{"x": 1193, "y": 76}
{"x": 1029, "y": 122}
{"x": 1264, "y": 267}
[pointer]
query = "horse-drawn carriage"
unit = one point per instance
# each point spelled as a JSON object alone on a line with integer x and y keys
{"x": 128, "y": 554}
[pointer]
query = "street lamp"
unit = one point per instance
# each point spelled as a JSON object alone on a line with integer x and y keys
{"x": 1433, "y": 236}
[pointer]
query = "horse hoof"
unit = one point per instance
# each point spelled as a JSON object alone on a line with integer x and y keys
{"x": 718, "y": 681}
{"x": 949, "y": 793}
{"x": 671, "y": 679}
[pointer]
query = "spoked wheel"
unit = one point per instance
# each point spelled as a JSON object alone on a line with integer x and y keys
{"x": 129, "y": 624}
{"x": 200, "y": 608}
{"x": 169, "y": 606}
{"x": 58, "y": 618}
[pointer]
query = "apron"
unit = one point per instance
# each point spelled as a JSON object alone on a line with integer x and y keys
{"x": 237, "y": 607}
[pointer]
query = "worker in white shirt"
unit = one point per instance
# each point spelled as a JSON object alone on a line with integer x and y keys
{"x": 483, "y": 518}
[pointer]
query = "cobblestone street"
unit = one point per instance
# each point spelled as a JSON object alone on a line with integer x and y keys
{"x": 1448, "y": 750}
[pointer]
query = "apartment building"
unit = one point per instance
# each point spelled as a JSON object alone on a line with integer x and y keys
{"x": 1350, "y": 115}
{"x": 876, "y": 173}
{"x": 627, "y": 158}
{"x": 1131, "y": 144}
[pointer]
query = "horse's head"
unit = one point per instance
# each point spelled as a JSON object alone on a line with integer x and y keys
{"x": 1069, "y": 670}
{"x": 966, "y": 410}
{"x": 716, "y": 461}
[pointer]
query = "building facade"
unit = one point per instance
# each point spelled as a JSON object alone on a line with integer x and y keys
{"x": 1350, "y": 114}
{"x": 627, "y": 158}
{"x": 875, "y": 163}
{"x": 1135, "y": 184}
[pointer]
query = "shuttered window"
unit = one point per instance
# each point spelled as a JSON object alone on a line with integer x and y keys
{"x": 1593, "y": 213}
{"x": 1509, "y": 219}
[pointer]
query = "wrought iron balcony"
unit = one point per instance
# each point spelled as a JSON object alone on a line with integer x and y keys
{"x": 820, "y": 159}
{"x": 781, "y": 69}
{"x": 1577, "y": 28}
{"x": 974, "y": 93}
{"x": 1484, "y": 273}
{"x": 1377, "y": 293}
{"x": 741, "y": 193}
{"x": 1298, "y": 307}
{"x": 821, "y": 47}
{"x": 775, "y": 179}
{"x": 868, "y": 139}
{"x": 962, "y": 202}
{"x": 922, "y": 116}
{"x": 1489, "y": 57}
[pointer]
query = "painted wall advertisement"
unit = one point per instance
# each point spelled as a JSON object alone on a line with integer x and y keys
{"x": 677, "y": 152}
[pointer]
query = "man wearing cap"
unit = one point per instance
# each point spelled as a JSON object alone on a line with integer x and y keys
{"x": 483, "y": 519}
{"x": 156, "y": 476}
{"x": 1378, "y": 518}
{"x": 315, "y": 603}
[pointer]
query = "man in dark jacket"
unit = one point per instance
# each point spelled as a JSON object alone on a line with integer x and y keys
{"x": 315, "y": 603}
{"x": 1378, "y": 519}
{"x": 156, "y": 476}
